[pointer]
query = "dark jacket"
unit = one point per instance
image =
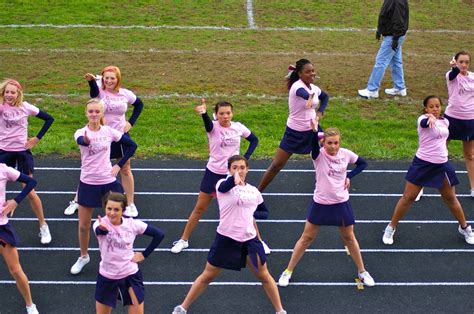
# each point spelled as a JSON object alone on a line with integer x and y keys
{"x": 393, "y": 18}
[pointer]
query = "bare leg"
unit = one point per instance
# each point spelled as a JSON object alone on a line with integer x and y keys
{"x": 102, "y": 308}
{"x": 279, "y": 161}
{"x": 468, "y": 150}
{"x": 200, "y": 284}
{"x": 200, "y": 208}
{"x": 309, "y": 234}
{"x": 404, "y": 203}
{"x": 135, "y": 308}
{"x": 448, "y": 194}
{"x": 128, "y": 182}
{"x": 269, "y": 284}
{"x": 10, "y": 255}
{"x": 85, "y": 217}
{"x": 348, "y": 236}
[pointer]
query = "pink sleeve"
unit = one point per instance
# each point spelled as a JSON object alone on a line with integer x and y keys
{"x": 78, "y": 133}
{"x": 116, "y": 135}
{"x": 94, "y": 226}
{"x": 352, "y": 157}
{"x": 30, "y": 109}
{"x": 12, "y": 174}
{"x": 244, "y": 130}
{"x": 138, "y": 226}
{"x": 259, "y": 198}
{"x": 131, "y": 97}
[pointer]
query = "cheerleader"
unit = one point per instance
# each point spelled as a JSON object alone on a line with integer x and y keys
{"x": 236, "y": 243}
{"x": 98, "y": 176}
{"x": 8, "y": 238}
{"x": 119, "y": 276}
{"x": 330, "y": 205}
{"x": 15, "y": 147}
{"x": 224, "y": 141}
{"x": 306, "y": 102}
{"x": 430, "y": 167}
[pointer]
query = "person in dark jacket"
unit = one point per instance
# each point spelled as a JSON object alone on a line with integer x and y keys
{"x": 392, "y": 25}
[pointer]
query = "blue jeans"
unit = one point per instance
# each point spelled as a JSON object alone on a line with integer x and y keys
{"x": 385, "y": 57}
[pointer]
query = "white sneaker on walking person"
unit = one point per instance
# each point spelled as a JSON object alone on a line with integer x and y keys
{"x": 179, "y": 245}
{"x": 284, "y": 279}
{"x": 32, "y": 309}
{"x": 131, "y": 211}
{"x": 45, "y": 234}
{"x": 467, "y": 233}
{"x": 266, "y": 248}
{"x": 179, "y": 310}
{"x": 71, "y": 209}
{"x": 396, "y": 92}
{"x": 79, "y": 264}
{"x": 365, "y": 93}
{"x": 388, "y": 235}
{"x": 366, "y": 279}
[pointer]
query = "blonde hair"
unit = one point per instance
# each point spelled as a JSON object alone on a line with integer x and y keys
{"x": 118, "y": 74}
{"x": 332, "y": 132}
{"x": 101, "y": 104}
{"x": 19, "y": 99}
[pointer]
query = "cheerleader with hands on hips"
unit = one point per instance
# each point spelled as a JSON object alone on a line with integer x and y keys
{"x": 306, "y": 102}
{"x": 15, "y": 146}
{"x": 8, "y": 237}
{"x": 98, "y": 176}
{"x": 224, "y": 137}
{"x": 119, "y": 276}
{"x": 431, "y": 168}
{"x": 116, "y": 101}
{"x": 236, "y": 243}
{"x": 330, "y": 205}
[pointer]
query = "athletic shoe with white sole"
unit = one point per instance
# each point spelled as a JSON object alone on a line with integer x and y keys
{"x": 366, "y": 279}
{"x": 266, "y": 248}
{"x": 32, "y": 309}
{"x": 396, "y": 92}
{"x": 365, "y": 93}
{"x": 467, "y": 233}
{"x": 472, "y": 193}
{"x": 45, "y": 234}
{"x": 79, "y": 264}
{"x": 71, "y": 209}
{"x": 179, "y": 310}
{"x": 179, "y": 245}
{"x": 284, "y": 279}
{"x": 131, "y": 211}
{"x": 388, "y": 235}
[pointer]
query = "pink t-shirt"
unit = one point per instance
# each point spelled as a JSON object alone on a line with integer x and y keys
{"x": 432, "y": 141}
{"x": 95, "y": 159}
{"x": 331, "y": 173}
{"x": 115, "y": 106}
{"x": 6, "y": 174}
{"x": 299, "y": 117}
{"x": 14, "y": 126}
{"x": 236, "y": 208}
{"x": 223, "y": 144}
{"x": 116, "y": 248}
{"x": 461, "y": 96}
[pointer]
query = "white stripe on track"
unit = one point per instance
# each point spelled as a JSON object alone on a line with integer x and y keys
{"x": 264, "y": 194}
{"x": 243, "y": 283}
{"x": 165, "y": 220}
{"x": 194, "y": 250}
{"x": 228, "y": 28}
{"x": 202, "y": 170}
{"x": 250, "y": 18}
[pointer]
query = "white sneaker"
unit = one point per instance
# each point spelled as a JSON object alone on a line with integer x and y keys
{"x": 365, "y": 93}
{"x": 79, "y": 264}
{"x": 71, "y": 209}
{"x": 266, "y": 248}
{"x": 388, "y": 235}
{"x": 366, "y": 279}
{"x": 418, "y": 197}
{"x": 281, "y": 312}
{"x": 32, "y": 309}
{"x": 45, "y": 234}
{"x": 472, "y": 193}
{"x": 396, "y": 92}
{"x": 131, "y": 211}
{"x": 284, "y": 279}
{"x": 179, "y": 245}
{"x": 467, "y": 233}
{"x": 179, "y": 310}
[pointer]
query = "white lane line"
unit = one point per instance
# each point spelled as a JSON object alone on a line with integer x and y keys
{"x": 202, "y": 170}
{"x": 243, "y": 283}
{"x": 273, "y": 250}
{"x": 422, "y": 222}
{"x": 264, "y": 194}
{"x": 250, "y": 19}
{"x": 226, "y": 28}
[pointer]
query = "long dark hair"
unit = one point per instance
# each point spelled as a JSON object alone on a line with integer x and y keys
{"x": 298, "y": 68}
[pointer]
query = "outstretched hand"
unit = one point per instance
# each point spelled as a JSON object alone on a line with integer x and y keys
{"x": 102, "y": 225}
{"x": 453, "y": 63}
{"x": 90, "y": 77}
{"x": 237, "y": 179}
{"x": 431, "y": 120}
{"x": 201, "y": 109}
{"x": 309, "y": 102}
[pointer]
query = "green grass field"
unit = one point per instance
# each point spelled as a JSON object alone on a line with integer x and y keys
{"x": 183, "y": 52}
